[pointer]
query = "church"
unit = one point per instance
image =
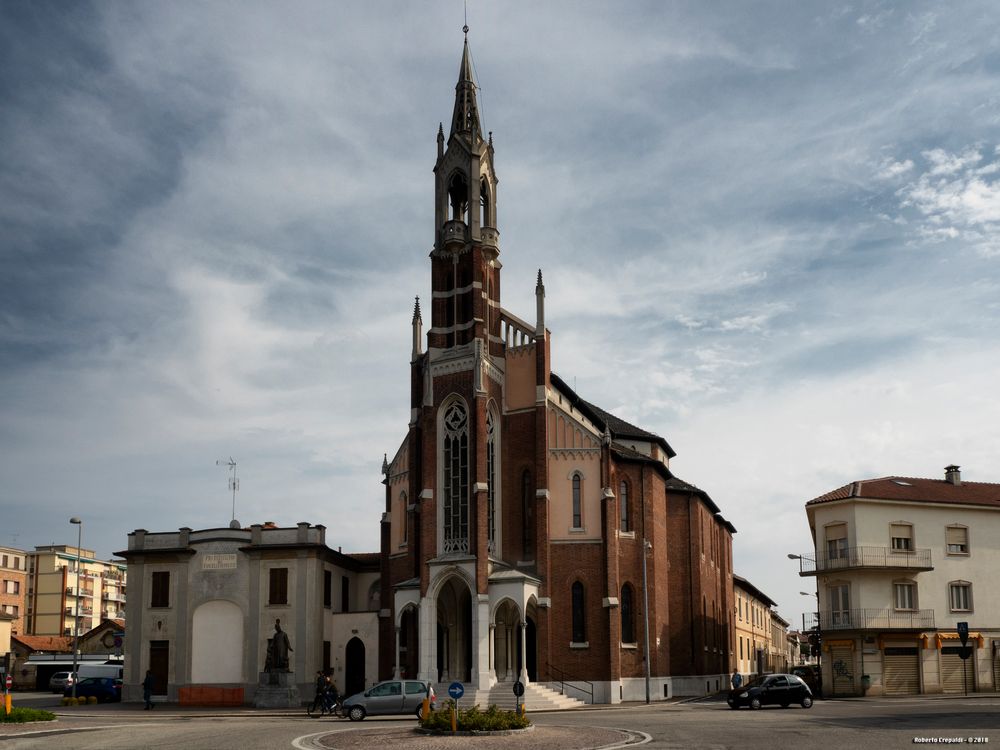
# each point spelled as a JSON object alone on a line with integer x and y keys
{"x": 528, "y": 534}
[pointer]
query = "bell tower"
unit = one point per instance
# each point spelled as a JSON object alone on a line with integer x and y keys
{"x": 465, "y": 258}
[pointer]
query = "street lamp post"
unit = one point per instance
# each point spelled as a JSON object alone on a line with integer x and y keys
{"x": 76, "y": 615}
{"x": 819, "y": 629}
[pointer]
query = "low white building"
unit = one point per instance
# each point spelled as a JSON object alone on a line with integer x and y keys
{"x": 202, "y": 605}
{"x": 899, "y": 563}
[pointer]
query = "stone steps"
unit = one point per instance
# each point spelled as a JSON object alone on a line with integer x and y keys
{"x": 537, "y": 697}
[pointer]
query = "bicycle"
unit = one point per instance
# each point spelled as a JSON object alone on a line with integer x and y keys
{"x": 326, "y": 704}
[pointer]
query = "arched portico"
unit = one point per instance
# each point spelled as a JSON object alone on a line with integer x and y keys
{"x": 407, "y": 643}
{"x": 506, "y": 627}
{"x": 453, "y": 631}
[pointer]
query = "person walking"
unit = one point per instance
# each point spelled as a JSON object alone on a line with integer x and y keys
{"x": 318, "y": 698}
{"x": 737, "y": 679}
{"x": 147, "y": 689}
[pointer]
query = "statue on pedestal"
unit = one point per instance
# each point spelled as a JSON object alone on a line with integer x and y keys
{"x": 278, "y": 649}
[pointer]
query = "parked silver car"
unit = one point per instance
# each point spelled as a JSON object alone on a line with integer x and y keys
{"x": 390, "y": 697}
{"x": 60, "y": 681}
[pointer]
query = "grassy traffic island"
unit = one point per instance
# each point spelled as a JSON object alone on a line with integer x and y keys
{"x": 473, "y": 719}
{"x": 23, "y": 715}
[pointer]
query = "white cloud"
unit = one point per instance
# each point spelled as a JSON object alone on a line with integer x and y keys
{"x": 890, "y": 169}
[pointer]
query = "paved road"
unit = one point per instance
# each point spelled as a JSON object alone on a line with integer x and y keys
{"x": 879, "y": 723}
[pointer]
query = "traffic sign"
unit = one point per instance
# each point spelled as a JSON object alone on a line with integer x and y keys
{"x": 963, "y": 632}
{"x": 9, "y": 682}
{"x": 518, "y": 688}
{"x": 456, "y": 690}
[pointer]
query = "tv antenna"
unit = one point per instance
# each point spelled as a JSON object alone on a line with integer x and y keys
{"x": 234, "y": 481}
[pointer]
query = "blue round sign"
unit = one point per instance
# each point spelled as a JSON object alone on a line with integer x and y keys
{"x": 455, "y": 690}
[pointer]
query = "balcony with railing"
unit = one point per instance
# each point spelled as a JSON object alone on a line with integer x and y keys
{"x": 871, "y": 619}
{"x": 866, "y": 558}
{"x": 514, "y": 331}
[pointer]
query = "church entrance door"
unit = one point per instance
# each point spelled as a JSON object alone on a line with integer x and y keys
{"x": 506, "y": 646}
{"x": 531, "y": 650}
{"x": 409, "y": 655}
{"x": 454, "y": 628}
{"x": 354, "y": 667}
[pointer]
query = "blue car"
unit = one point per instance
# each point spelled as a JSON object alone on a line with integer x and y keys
{"x": 105, "y": 689}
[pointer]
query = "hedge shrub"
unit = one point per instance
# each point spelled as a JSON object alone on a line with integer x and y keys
{"x": 473, "y": 719}
{"x": 21, "y": 715}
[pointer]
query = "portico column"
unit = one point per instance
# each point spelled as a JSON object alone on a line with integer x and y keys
{"x": 523, "y": 624}
{"x": 493, "y": 649}
{"x": 395, "y": 671}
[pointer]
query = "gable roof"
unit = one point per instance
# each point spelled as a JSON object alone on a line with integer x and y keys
{"x": 917, "y": 490}
{"x": 619, "y": 428}
{"x": 53, "y": 643}
{"x": 743, "y": 583}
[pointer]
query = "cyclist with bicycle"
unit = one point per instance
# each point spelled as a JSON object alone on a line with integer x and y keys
{"x": 327, "y": 698}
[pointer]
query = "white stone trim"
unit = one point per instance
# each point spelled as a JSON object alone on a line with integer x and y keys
{"x": 460, "y": 290}
{"x": 609, "y": 601}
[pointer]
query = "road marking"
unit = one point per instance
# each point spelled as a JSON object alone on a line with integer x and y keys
{"x": 305, "y": 742}
{"x": 632, "y": 733}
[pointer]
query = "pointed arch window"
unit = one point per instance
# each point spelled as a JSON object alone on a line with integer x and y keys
{"x": 579, "y": 614}
{"x": 458, "y": 194}
{"x": 404, "y": 518}
{"x": 455, "y": 462}
{"x": 626, "y": 521}
{"x": 486, "y": 215}
{"x": 492, "y": 465}
{"x": 628, "y": 614}
{"x": 577, "y": 501}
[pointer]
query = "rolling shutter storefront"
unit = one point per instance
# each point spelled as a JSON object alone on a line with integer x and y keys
{"x": 996, "y": 665}
{"x": 901, "y": 670}
{"x": 951, "y": 670}
{"x": 842, "y": 677}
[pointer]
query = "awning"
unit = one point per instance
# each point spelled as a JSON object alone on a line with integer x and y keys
{"x": 954, "y": 636}
{"x": 846, "y": 642}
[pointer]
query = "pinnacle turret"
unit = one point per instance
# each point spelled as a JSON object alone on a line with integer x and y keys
{"x": 465, "y": 120}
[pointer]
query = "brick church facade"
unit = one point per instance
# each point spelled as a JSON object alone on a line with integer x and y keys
{"x": 516, "y": 512}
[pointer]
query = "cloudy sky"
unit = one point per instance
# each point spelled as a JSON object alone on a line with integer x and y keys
{"x": 770, "y": 232}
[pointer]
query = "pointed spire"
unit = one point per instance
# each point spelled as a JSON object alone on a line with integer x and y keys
{"x": 385, "y": 464}
{"x": 418, "y": 327}
{"x": 539, "y": 306}
{"x": 466, "y": 116}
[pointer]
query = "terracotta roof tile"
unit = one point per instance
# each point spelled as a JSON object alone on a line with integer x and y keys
{"x": 919, "y": 490}
{"x": 53, "y": 643}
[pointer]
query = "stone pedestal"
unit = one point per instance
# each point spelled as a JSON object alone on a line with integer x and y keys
{"x": 276, "y": 690}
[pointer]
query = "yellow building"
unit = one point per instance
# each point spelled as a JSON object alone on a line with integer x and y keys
{"x": 56, "y": 594}
{"x": 753, "y": 628}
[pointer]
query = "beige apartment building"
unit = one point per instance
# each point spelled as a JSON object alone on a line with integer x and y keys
{"x": 57, "y": 594}
{"x": 754, "y": 632}
{"x": 13, "y": 587}
{"x": 901, "y": 564}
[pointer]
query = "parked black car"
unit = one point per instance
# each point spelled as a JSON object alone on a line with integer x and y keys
{"x": 811, "y": 676}
{"x": 777, "y": 689}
